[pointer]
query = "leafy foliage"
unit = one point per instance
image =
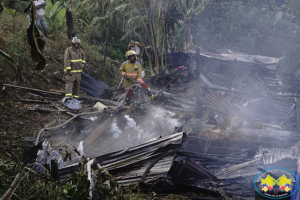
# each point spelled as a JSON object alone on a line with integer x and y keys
{"x": 13, "y": 14}
{"x": 55, "y": 15}
{"x": 188, "y": 9}
{"x": 31, "y": 185}
{"x": 9, "y": 65}
{"x": 150, "y": 22}
{"x": 105, "y": 186}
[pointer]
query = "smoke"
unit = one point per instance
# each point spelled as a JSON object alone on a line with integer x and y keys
{"x": 124, "y": 131}
{"x": 249, "y": 28}
{"x": 160, "y": 122}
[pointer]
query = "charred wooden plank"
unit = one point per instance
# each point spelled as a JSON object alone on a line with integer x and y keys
{"x": 33, "y": 101}
{"x": 199, "y": 101}
{"x": 99, "y": 99}
{"x": 34, "y": 90}
{"x": 97, "y": 132}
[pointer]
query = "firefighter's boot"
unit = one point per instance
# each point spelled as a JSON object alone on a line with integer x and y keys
{"x": 128, "y": 102}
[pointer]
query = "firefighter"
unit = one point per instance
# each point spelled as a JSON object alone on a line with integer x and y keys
{"x": 131, "y": 70}
{"x": 74, "y": 62}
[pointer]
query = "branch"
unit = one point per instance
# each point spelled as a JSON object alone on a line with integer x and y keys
{"x": 10, "y": 190}
{"x": 6, "y": 24}
{"x": 50, "y": 128}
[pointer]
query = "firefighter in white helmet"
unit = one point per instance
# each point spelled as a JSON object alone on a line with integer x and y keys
{"x": 74, "y": 62}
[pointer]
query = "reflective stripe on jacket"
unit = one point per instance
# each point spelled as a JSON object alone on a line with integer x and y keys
{"x": 74, "y": 60}
{"x": 133, "y": 71}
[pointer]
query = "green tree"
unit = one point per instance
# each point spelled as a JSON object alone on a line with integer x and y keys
{"x": 55, "y": 16}
{"x": 189, "y": 8}
{"x": 140, "y": 19}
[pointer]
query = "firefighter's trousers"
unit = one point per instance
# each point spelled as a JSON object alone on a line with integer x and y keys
{"x": 73, "y": 84}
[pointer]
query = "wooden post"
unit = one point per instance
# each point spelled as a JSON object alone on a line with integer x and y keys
{"x": 199, "y": 102}
{"x": 298, "y": 113}
{"x": 105, "y": 47}
{"x": 54, "y": 171}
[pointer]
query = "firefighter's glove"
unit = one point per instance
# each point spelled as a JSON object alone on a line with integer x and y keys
{"x": 151, "y": 95}
{"x": 126, "y": 76}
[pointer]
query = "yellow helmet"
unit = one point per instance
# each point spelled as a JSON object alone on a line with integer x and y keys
{"x": 130, "y": 53}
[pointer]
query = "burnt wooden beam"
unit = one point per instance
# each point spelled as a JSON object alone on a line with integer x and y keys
{"x": 199, "y": 102}
{"x": 177, "y": 98}
{"x": 298, "y": 113}
{"x": 248, "y": 93}
{"x": 99, "y": 99}
{"x": 101, "y": 129}
{"x": 157, "y": 75}
{"x": 34, "y": 90}
{"x": 33, "y": 101}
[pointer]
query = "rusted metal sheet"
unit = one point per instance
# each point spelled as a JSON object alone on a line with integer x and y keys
{"x": 135, "y": 154}
{"x": 263, "y": 109}
{"x": 218, "y": 103}
{"x": 132, "y": 162}
{"x": 185, "y": 169}
{"x": 237, "y": 57}
{"x": 274, "y": 109}
{"x": 134, "y": 175}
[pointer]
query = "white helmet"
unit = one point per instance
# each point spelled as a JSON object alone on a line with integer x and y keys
{"x": 75, "y": 40}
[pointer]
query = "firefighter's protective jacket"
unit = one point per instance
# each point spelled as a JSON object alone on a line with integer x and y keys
{"x": 133, "y": 71}
{"x": 74, "y": 59}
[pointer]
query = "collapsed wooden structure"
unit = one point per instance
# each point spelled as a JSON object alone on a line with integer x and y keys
{"x": 249, "y": 113}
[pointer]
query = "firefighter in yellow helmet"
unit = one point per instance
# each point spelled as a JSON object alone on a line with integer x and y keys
{"x": 74, "y": 62}
{"x": 131, "y": 70}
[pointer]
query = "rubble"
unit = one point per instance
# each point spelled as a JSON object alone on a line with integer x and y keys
{"x": 249, "y": 121}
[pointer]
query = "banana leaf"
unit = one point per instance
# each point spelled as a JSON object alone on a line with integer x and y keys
{"x": 36, "y": 41}
{"x": 34, "y": 36}
{"x": 9, "y": 65}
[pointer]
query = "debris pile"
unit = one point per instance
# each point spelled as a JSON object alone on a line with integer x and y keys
{"x": 249, "y": 121}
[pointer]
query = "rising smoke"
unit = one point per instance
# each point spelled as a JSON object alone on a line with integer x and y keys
{"x": 123, "y": 132}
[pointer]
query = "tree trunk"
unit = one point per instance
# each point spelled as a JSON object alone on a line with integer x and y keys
{"x": 105, "y": 47}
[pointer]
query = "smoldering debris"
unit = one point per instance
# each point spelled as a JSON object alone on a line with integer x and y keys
{"x": 250, "y": 121}
{"x": 65, "y": 153}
